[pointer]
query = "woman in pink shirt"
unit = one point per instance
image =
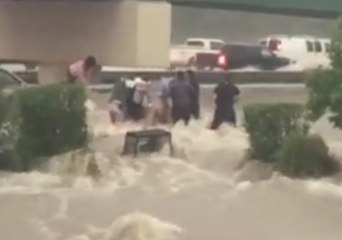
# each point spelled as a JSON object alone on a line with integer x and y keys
{"x": 83, "y": 70}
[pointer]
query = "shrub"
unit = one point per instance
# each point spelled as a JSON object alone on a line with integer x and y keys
{"x": 325, "y": 96}
{"x": 42, "y": 122}
{"x": 2, "y": 107}
{"x": 52, "y": 121}
{"x": 8, "y": 131}
{"x": 305, "y": 156}
{"x": 269, "y": 124}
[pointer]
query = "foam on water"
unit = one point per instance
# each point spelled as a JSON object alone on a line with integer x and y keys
{"x": 141, "y": 226}
{"x": 207, "y": 191}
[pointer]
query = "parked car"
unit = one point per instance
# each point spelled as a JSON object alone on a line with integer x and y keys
{"x": 237, "y": 55}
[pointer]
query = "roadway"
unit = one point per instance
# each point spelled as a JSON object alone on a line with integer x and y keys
{"x": 250, "y": 93}
{"x": 205, "y": 77}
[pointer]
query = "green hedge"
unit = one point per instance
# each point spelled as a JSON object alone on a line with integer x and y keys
{"x": 325, "y": 96}
{"x": 45, "y": 121}
{"x": 305, "y": 156}
{"x": 9, "y": 122}
{"x": 269, "y": 124}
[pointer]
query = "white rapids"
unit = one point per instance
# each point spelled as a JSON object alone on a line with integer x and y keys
{"x": 208, "y": 193}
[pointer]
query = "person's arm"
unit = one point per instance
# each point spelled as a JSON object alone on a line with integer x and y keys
{"x": 148, "y": 94}
{"x": 191, "y": 90}
{"x": 197, "y": 86}
{"x": 236, "y": 93}
{"x": 215, "y": 92}
{"x": 165, "y": 91}
{"x": 169, "y": 90}
{"x": 113, "y": 93}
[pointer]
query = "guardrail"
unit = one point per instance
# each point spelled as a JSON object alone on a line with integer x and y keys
{"x": 203, "y": 77}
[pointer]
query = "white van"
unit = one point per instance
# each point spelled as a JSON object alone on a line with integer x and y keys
{"x": 304, "y": 52}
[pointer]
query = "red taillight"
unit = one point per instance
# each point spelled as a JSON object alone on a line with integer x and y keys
{"x": 222, "y": 60}
{"x": 274, "y": 44}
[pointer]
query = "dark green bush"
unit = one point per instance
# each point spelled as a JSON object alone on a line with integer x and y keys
{"x": 269, "y": 124}
{"x": 2, "y": 107}
{"x": 305, "y": 156}
{"x": 325, "y": 96}
{"x": 41, "y": 122}
{"x": 8, "y": 132}
{"x": 52, "y": 121}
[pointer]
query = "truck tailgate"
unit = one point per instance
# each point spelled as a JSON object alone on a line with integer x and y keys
{"x": 206, "y": 60}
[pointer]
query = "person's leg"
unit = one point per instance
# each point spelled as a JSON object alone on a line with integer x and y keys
{"x": 162, "y": 113}
{"x": 167, "y": 112}
{"x": 231, "y": 116}
{"x": 140, "y": 112}
{"x": 112, "y": 117}
{"x": 135, "y": 111}
{"x": 175, "y": 114}
{"x": 129, "y": 110}
{"x": 115, "y": 112}
{"x": 218, "y": 119}
{"x": 197, "y": 110}
{"x": 186, "y": 114}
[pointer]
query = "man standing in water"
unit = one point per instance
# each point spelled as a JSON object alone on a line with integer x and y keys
{"x": 161, "y": 113}
{"x": 195, "y": 101}
{"x": 182, "y": 95}
{"x": 117, "y": 101}
{"x": 226, "y": 94}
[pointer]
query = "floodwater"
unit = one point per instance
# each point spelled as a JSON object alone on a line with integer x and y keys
{"x": 207, "y": 193}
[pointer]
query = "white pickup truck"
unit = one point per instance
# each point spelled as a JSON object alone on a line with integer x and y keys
{"x": 185, "y": 55}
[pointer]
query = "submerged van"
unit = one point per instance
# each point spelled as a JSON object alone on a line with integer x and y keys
{"x": 307, "y": 52}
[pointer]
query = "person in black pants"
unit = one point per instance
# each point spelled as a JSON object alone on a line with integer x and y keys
{"x": 196, "y": 96}
{"x": 226, "y": 93}
{"x": 182, "y": 95}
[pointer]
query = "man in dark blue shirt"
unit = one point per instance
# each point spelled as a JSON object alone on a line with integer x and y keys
{"x": 196, "y": 97}
{"x": 182, "y": 95}
{"x": 226, "y": 93}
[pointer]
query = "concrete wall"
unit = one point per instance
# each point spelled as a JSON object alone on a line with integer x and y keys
{"x": 154, "y": 33}
{"x": 60, "y": 31}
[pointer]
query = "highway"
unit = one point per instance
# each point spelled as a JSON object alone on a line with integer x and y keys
{"x": 204, "y": 77}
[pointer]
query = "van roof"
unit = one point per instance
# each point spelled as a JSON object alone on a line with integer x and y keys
{"x": 205, "y": 39}
{"x": 325, "y": 39}
{"x": 291, "y": 36}
{"x": 242, "y": 44}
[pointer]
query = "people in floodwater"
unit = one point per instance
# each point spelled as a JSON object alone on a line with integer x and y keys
{"x": 161, "y": 112}
{"x": 226, "y": 93}
{"x": 117, "y": 101}
{"x": 84, "y": 70}
{"x": 129, "y": 99}
{"x": 182, "y": 95}
{"x": 196, "y": 97}
{"x": 137, "y": 99}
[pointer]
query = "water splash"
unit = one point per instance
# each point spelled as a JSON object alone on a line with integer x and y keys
{"x": 141, "y": 226}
